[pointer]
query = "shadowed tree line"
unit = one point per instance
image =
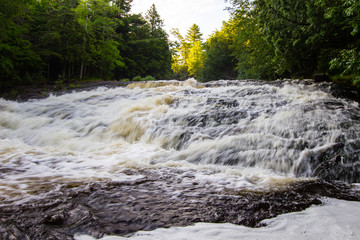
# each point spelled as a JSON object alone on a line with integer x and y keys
{"x": 47, "y": 41}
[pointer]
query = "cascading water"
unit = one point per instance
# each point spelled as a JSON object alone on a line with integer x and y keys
{"x": 294, "y": 129}
{"x": 238, "y": 135}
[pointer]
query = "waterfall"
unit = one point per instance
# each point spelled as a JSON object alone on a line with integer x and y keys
{"x": 242, "y": 129}
{"x": 171, "y": 153}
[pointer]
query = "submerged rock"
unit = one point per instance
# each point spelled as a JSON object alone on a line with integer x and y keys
{"x": 159, "y": 199}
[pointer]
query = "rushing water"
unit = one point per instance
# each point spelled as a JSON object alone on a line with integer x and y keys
{"x": 232, "y": 136}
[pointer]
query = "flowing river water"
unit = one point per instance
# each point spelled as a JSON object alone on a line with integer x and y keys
{"x": 169, "y": 153}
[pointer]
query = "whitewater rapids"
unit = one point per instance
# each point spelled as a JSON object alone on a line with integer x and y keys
{"x": 241, "y": 136}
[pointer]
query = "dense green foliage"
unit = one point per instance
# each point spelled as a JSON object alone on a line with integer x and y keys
{"x": 219, "y": 62}
{"x": 268, "y": 39}
{"x": 297, "y": 38}
{"x": 188, "y": 55}
{"x": 18, "y": 61}
{"x": 50, "y": 40}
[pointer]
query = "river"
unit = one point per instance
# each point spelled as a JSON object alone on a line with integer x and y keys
{"x": 113, "y": 161}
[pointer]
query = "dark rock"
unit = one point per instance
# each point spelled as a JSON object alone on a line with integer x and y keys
{"x": 321, "y": 77}
{"x": 159, "y": 201}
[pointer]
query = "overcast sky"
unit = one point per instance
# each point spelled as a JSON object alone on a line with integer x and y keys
{"x": 181, "y": 14}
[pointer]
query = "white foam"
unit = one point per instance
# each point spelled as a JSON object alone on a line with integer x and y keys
{"x": 97, "y": 134}
{"x": 336, "y": 219}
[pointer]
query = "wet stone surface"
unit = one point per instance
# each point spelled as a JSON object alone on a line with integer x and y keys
{"x": 158, "y": 199}
{"x": 274, "y": 122}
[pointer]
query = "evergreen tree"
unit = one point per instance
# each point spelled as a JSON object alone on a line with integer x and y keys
{"x": 193, "y": 34}
{"x": 148, "y": 48}
{"x": 123, "y": 5}
{"x": 188, "y": 56}
{"x": 155, "y": 22}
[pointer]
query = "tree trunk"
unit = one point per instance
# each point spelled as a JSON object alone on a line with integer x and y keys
{"x": 64, "y": 71}
{"x": 48, "y": 72}
{"x": 81, "y": 69}
{"x": 69, "y": 71}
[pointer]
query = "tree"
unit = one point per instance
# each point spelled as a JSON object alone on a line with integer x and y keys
{"x": 18, "y": 61}
{"x": 123, "y": 5}
{"x": 180, "y": 53}
{"x": 305, "y": 35}
{"x": 196, "y": 55}
{"x": 155, "y": 22}
{"x": 55, "y": 40}
{"x": 255, "y": 56}
{"x": 147, "y": 49}
{"x": 188, "y": 54}
{"x": 220, "y": 62}
{"x": 196, "y": 60}
{"x": 347, "y": 60}
{"x": 99, "y": 20}
{"x": 194, "y": 35}
{"x": 62, "y": 40}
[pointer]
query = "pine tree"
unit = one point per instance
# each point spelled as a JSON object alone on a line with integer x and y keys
{"x": 188, "y": 56}
{"x": 194, "y": 34}
{"x": 155, "y": 22}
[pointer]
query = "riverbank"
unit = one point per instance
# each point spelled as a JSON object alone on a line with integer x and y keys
{"x": 24, "y": 93}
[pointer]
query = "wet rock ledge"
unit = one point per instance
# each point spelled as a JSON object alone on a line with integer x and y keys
{"x": 157, "y": 199}
{"x": 25, "y": 93}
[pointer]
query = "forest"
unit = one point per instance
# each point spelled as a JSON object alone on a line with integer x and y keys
{"x": 51, "y": 41}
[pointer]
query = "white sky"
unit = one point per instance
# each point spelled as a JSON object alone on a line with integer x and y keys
{"x": 182, "y": 14}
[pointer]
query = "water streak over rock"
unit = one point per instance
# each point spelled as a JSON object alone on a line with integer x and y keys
{"x": 170, "y": 153}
